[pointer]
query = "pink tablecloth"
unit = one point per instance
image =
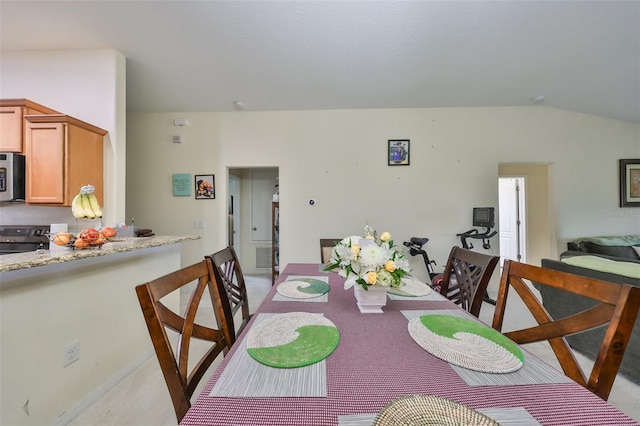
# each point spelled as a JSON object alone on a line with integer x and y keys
{"x": 377, "y": 361}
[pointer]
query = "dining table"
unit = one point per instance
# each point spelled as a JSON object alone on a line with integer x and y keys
{"x": 376, "y": 364}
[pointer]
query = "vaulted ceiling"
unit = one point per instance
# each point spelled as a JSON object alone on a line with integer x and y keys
{"x": 188, "y": 55}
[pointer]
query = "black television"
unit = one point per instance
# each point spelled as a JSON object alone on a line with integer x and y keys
{"x": 483, "y": 217}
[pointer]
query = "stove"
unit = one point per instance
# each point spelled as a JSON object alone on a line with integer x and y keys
{"x": 23, "y": 238}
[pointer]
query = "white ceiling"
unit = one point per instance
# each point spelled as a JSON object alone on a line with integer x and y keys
{"x": 191, "y": 55}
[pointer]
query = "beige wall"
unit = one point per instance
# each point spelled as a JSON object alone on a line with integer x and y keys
{"x": 46, "y": 308}
{"x": 155, "y": 158}
{"x": 338, "y": 157}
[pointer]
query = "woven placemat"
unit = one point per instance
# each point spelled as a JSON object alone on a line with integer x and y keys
{"x": 427, "y": 410}
{"x": 466, "y": 343}
{"x": 411, "y": 288}
{"x": 292, "y": 339}
{"x": 303, "y": 288}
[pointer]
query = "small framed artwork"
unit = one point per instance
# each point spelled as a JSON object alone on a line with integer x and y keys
{"x": 205, "y": 187}
{"x": 181, "y": 184}
{"x": 398, "y": 152}
{"x": 630, "y": 182}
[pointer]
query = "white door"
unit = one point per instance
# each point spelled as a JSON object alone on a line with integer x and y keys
{"x": 512, "y": 219}
{"x": 263, "y": 185}
{"x": 234, "y": 213}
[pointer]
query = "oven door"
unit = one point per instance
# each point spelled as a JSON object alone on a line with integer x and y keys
{"x": 13, "y": 248}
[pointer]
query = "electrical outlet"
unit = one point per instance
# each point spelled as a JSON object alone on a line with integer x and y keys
{"x": 71, "y": 352}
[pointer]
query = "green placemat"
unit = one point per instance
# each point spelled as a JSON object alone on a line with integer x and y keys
{"x": 293, "y": 339}
{"x": 303, "y": 288}
{"x": 410, "y": 288}
{"x": 466, "y": 343}
{"x": 428, "y": 410}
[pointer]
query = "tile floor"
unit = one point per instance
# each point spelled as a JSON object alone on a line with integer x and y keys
{"x": 130, "y": 403}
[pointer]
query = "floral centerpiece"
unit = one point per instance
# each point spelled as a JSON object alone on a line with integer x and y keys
{"x": 367, "y": 260}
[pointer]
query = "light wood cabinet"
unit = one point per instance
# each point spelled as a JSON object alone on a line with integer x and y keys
{"x": 13, "y": 125}
{"x": 62, "y": 155}
{"x": 275, "y": 241}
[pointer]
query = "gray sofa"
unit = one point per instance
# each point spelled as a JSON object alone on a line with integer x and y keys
{"x": 560, "y": 304}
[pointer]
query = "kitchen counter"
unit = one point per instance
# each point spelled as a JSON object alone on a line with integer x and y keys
{"x": 13, "y": 262}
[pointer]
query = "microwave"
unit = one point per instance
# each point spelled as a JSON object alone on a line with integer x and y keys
{"x": 12, "y": 176}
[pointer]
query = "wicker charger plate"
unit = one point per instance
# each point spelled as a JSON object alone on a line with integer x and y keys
{"x": 303, "y": 288}
{"x": 411, "y": 288}
{"x": 427, "y": 410}
{"x": 466, "y": 343}
{"x": 293, "y": 339}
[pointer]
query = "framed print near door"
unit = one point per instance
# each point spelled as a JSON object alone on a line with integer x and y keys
{"x": 630, "y": 182}
{"x": 398, "y": 152}
{"x": 205, "y": 187}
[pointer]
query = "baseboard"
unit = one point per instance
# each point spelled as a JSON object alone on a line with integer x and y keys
{"x": 94, "y": 396}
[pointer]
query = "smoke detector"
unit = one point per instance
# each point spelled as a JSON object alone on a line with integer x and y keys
{"x": 537, "y": 100}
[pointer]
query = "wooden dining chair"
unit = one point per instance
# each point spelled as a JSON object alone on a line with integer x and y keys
{"x": 228, "y": 273}
{"x": 466, "y": 277}
{"x": 614, "y": 304}
{"x": 326, "y": 246}
{"x": 181, "y": 380}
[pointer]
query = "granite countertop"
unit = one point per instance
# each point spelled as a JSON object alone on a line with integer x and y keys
{"x": 13, "y": 262}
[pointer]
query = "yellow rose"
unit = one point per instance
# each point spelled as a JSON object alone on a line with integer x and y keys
{"x": 356, "y": 250}
{"x": 385, "y": 237}
{"x": 371, "y": 277}
{"x": 369, "y": 237}
{"x": 390, "y": 265}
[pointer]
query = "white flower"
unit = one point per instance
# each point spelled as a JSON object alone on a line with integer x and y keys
{"x": 372, "y": 255}
{"x": 350, "y": 282}
{"x": 351, "y": 241}
{"x": 343, "y": 255}
{"x": 402, "y": 263}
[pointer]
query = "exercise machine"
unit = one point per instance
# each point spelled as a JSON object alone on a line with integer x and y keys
{"x": 415, "y": 245}
{"x": 483, "y": 217}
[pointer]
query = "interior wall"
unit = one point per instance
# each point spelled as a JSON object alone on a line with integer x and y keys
{"x": 339, "y": 158}
{"x": 153, "y": 158}
{"x": 48, "y": 307}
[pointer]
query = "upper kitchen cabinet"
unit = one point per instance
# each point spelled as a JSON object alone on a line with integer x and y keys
{"x": 13, "y": 126}
{"x": 62, "y": 155}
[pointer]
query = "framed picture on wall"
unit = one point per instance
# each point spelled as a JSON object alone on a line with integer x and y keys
{"x": 205, "y": 187}
{"x": 398, "y": 152}
{"x": 630, "y": 182}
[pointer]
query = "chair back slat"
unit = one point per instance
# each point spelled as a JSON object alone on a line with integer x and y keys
{"x": 230, "y": 278}
{"x": 466, "y": 277}
{"x": 326, "y": 247}
{"x": 617, "y": 306}
{"x": 182, "y": 381}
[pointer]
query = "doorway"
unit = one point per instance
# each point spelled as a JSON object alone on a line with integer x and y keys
{"x": 537, "y": 210}
{"x": 233, "y": 229}
{"x": 250, "y": 191}
{"x": 512, "y": 205}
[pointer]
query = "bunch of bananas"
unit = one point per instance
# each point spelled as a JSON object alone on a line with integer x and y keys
{"x": 85, "y": 204}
